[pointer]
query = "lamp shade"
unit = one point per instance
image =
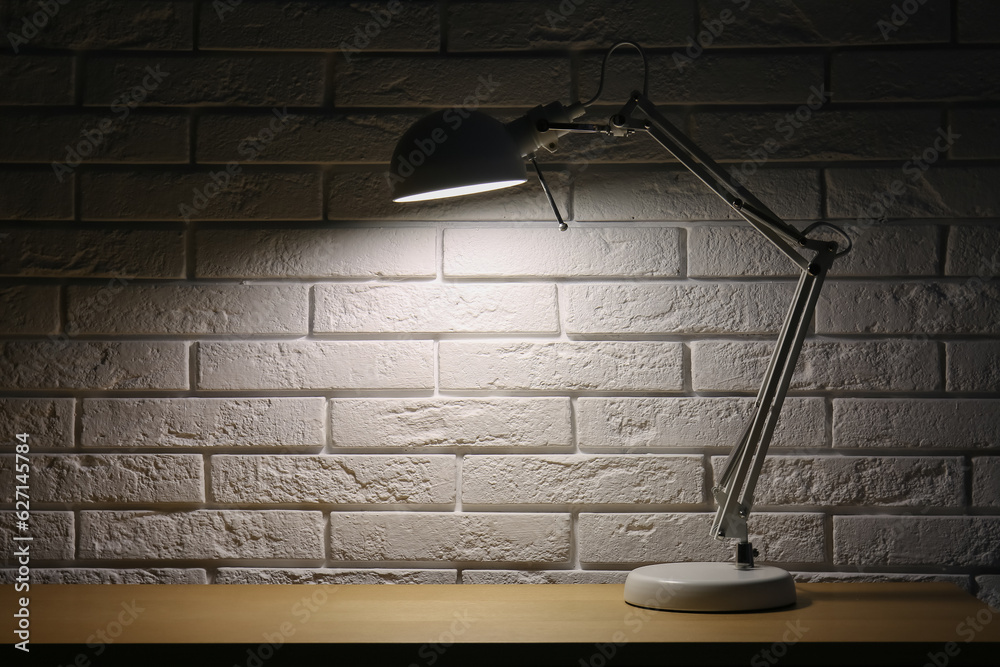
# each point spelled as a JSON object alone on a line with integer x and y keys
{"x": 454, "y": 152}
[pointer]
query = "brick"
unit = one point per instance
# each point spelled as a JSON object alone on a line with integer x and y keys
{"x": 450, "y": 537}
{"x": 316, "y": 253}
{"x": 973, "y": 251}
{"x": 561, "y": 366}
{"x": 451, "y": 423}
{"x": 679, "y": 195}
{"x": 974, "y": 20}
{"x": 507, "y": 577}
{"x": 93, "y": 137}
{"x": 914, "y": 423}
{"x": 36, "y": 79}
{"x": 670, "y": 308}
{"x": 909, "y": 308}
{"x": 462, "y": 83}
{"x": 112, "y": 478}
{"x": 189, "y": 309}
{"x": 434, "y": 308}
{"x": 29, "y": 309}
{"x": 293, "y": 575}
{"x": 405, "y": 26}
{"x": 49, "y": 421}
{"x": 989, "y": 589}
{"x": 316, "y": 365}
{"x": 651, "y": 252}
{"x": 640, "y": 539}
{"x": 889, "y": 365}
{"x": 815, "y": 22}
{"x": 53, "y": 537}
{"x": 203, "y": 422}
{"x": 959, "y": 580}
{"x": 582, "y": 480}
{"x": 320, "y": 138}
{"x": 174, "y": 195}
{"x": 873, "y": 481}
{"x": 92, "y": 252}
{"x": 368, "y": 196}
{"x": 95, "y": 575}
{"x": 878, "y": 250}
{"x": 982, "y": 127}
{"x": 908, "y": 76}
{"x": 32, "y": 194}
{"x": 800, "y": 133}
{"x": 939, "y": 541}
{"x": 973, "y": 366}
{"x": 92, "y": 365}
{"x": 552, "y": 24}
{"x": 201, "y": 534}
{"x": 939, "y": 192}
{"x": 107, "y": 24}
{"x": 616, "y": 424}
{"x": 712, "y": 78}
{"x": 986, "y": 481}
{"x": 206, "y": 80}
{"x": 334, "y": 480}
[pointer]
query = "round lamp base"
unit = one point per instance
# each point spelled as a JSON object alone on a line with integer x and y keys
{"x": 719, "y": 587}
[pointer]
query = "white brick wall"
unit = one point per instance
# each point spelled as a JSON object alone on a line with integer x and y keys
{"x": 304, "y": 382}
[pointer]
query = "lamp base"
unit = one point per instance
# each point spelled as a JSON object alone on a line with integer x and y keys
{"x": 719, "y": 587}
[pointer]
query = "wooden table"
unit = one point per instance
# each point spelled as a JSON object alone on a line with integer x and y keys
{"x": 837, "y": 624}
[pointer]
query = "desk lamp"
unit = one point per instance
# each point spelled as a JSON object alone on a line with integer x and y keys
{"x": 447, "y": 154}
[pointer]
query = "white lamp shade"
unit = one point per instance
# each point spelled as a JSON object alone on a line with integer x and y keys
{"x": 454, "y": 152}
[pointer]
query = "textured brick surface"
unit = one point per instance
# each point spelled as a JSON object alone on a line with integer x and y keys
{"x": 208, "y": 534}
{"x": 980, "y": 125}
{"x": 973, "y": 251}
{"x": 203, "y": 422}
{"x": 93, "y": 575}
{"x": 847, "y": 366}
{"x": 678, "y": 195}
{"x": 369, "y": 480}
{"x": 251, "y": 81}
{"x": 92, "y": 253}
{"x": 639, "y": 539}
{"x": 433, "y": 308}
{"x": 729, "y": 251}
{"x": 578, "y": 252}
{"x": 111, "y": 478}
{"x": 986, "y": 481}
{"x": 34, "y": 195}
{"x": 668, "y": 308}
{"x": 561, "y": 366}
{"x": 288, "y": 575}
{"x": 330, "y": 252}
{"x": 190, "y": 309}
{"x": 915, "y": 75}
{"x": 316, "y": 365}
{"x": 406, "y": 26}
{"x": 29, "y": 309}
{"x": 974, "y": 366}
{"x": 432, "y": 423}
{"x": 989, "y": 589}
{"x": 53, "y": 534}
{"x": 871, "y": 481}
{"x": 49, "y": 421}
{"x": 909, "y": 308}
{"x": 581, "y": 480}
{"x": 627, "y": 423}
{"x": 93, "y": 365}
{"x": 543, "y": 577}
{"x": 552, "y": 24}
{"x": 938, "y": 192}
{"x": 876, "y": 577}
{"x": 915, "y": 423}
{"x": 35, "y": 79}
{"x": 198, "y": 195}
{"x": 974, "y": 20}
{"x": 916, "y": 540}
{"x": 466, "y": 537}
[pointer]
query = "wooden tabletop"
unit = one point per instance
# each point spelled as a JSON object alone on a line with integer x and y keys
{"x": 428, "y": 614}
